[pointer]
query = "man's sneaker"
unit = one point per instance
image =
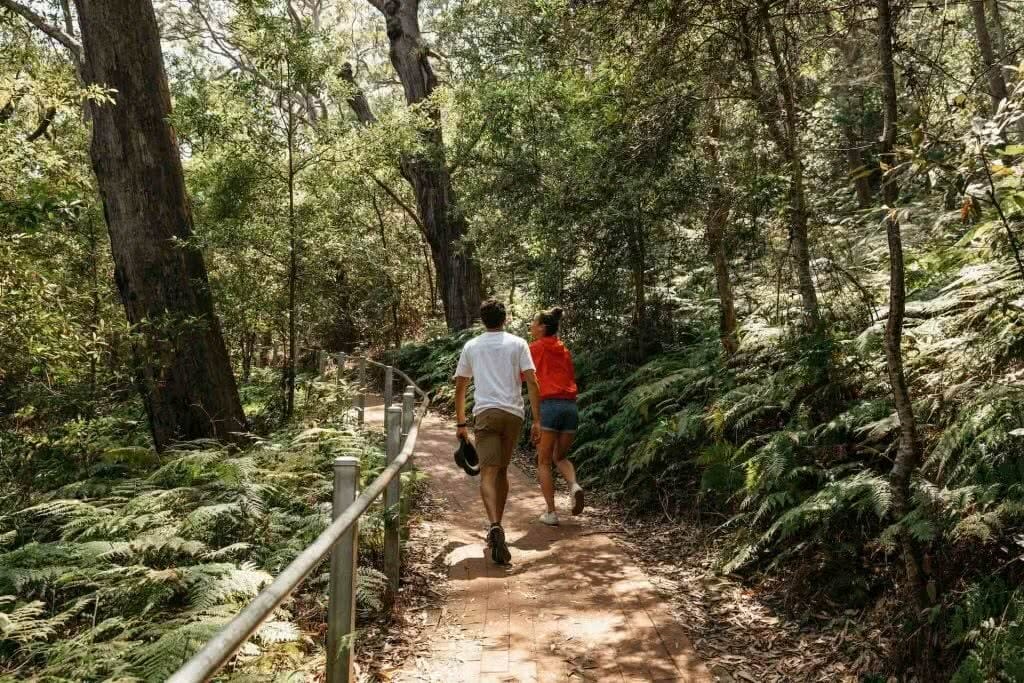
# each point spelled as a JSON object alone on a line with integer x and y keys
{"x": 577, "y": 499}
{"x": 496, "y": 542}
{"x": 550, "y": 518}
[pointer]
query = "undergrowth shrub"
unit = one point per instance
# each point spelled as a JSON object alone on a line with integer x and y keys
{"x": 128, "y": 563}
{"x": 431, "y": 364}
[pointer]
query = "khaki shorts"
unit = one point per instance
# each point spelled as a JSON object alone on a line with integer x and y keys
{"x": 497, "y": 433}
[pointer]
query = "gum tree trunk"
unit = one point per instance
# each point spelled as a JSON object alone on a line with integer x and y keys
{"x": 908, "y": 454}
{"x": 714, "y": 234}
{"x": 994, "y": 71}
{"x": 459, "y": 280}
{"x": 784, "y": 132}
{"x": 184, "y": 371}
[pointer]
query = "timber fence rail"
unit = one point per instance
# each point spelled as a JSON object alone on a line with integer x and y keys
{"x": 340, "y": 538}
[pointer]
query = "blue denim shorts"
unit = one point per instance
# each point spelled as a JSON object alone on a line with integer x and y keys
{"x": 559, "y": 415}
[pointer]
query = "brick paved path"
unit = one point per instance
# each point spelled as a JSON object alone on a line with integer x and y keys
{"x": 572, "y": 607}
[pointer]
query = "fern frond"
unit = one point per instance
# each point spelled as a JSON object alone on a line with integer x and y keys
{"x": 26, "y": 623}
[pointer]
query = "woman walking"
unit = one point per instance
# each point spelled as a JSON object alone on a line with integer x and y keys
{"x": 558, "y": 414}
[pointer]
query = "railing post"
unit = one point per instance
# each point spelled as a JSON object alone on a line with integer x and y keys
{"x": 389, "y": 380}
{"x": 392, "y": 500}
{"x": 361, "y": 396}
{"x": 408, "y": 416}
{"x": 408, "y": 413}
{"x": 389, "y": 385}
{"x": 341, "y": 606}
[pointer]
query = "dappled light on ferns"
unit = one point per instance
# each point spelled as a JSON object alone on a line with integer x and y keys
{"x": 150, "y": 568}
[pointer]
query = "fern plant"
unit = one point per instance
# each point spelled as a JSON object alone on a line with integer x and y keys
{"x": 118, "y": 576}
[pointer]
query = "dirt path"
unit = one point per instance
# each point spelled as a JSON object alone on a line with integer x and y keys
{"x": 572, "y": 607}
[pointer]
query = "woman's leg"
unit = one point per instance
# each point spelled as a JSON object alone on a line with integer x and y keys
{"x": 563, "y": 443}
{"x": 545, "y": 451}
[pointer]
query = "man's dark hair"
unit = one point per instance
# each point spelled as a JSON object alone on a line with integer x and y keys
{"x": 492, "y": 314}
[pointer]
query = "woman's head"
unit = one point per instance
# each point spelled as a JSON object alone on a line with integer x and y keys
{"x": 545, "y": 323}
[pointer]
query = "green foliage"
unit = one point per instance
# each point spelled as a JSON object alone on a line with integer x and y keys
{"x": 431, "y": 365}
{"x": 142, "y": 558}
{"x": 590, "y": 146}
{"x": 985, "y": 443}
{"x": 987, "y": 623}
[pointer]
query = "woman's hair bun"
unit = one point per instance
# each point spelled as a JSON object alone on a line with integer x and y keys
{"x": 550, "y": 320}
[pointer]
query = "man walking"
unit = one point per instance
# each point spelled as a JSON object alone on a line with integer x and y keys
{"x": 496, "y": 361}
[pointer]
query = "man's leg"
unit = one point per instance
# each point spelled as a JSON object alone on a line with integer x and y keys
{"x": 489, "y": 493}
{"x": 511, "y": 426}
{"x": 491, "y": 447}
{"x": 545, "y": 449}
{"x": 501, "y": 489}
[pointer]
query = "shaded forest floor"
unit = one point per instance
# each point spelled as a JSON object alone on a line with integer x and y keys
{"x": 388, "y": 643}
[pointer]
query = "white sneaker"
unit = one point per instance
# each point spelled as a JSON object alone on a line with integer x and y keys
{"x": 577, "y": 499}
{"x": 550, "y": 518}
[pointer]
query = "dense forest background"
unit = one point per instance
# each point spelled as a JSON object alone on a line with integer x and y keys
{"x": 786, "y": 234}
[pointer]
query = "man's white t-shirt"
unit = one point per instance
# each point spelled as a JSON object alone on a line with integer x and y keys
{"x": 495, "y": 361}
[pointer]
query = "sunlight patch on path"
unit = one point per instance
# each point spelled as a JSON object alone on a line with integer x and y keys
{"x": 572, "y": 607}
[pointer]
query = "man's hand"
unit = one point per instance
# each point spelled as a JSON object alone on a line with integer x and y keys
{"x": 462, "y": 433}
{"x": 533, "y": 389}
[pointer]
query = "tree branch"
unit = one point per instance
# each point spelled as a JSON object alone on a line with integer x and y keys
{"x": 357, "y": 100}
{"x": 40, "y": 23}
{"x": 769, "y": 117}
{"x": 44, "y": 125}
{"x": 398, "y": 200}
{"x": 69, "y": 24}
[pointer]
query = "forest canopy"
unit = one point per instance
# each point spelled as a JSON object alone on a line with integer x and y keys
{"x": 786, "y": 235}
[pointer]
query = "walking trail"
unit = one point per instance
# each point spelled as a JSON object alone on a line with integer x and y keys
{"x": 572, "y": 606}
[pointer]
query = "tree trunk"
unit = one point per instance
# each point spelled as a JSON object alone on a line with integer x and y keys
{"x": 853, "y": 137}
{"x": 718, "y": 213}
{"x": 460, "y": 282}
{"x": 429, "y": 268}
{"x": 266, "y": 350}
{"x": 908, "y": 454}
{"x": 394, "y": 290}
{"x": 999, "y": 39}
{"x": 248, "y": 350}
{"x": 638, "y": 267}
{"x": 714, "y": 233}
{"x": 293, "y": 272}
{"x": 993, "y": 69}
{"x": 184, "y": 370}
{"x": 855, "y": 167}
{"x": 94, "y": 313}
{"x": 458, "y": 273}
{"x": 786, "y": 139}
